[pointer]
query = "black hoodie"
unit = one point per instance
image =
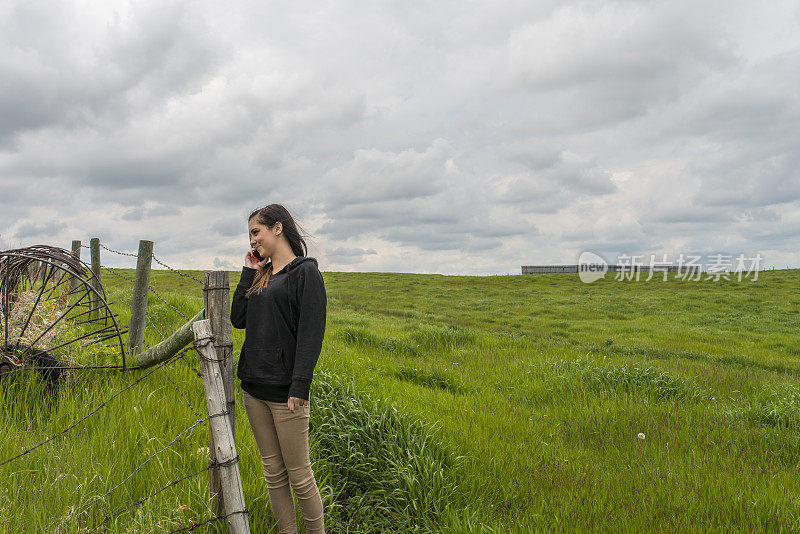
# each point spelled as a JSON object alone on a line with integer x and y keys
{"x": 285, "y": 324}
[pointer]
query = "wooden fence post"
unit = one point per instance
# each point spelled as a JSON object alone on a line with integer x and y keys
{"x": 76, "y": 253}
{"x": 94, "y": 246}
{"x": 227, "y": 459}
{"x": 57, "y": 273}
{"x": 218, "y": 312}
{"x": 33, "y": 270}
{"x": 141, "y": 287}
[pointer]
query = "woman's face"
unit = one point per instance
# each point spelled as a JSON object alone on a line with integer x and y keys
{"x": 263, "y": 238}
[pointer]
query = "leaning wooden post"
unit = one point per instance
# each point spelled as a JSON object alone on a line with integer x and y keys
{"x": 218, "y": 311}
{"x": 170, "y": 346}
{"x": 141, "y": 288}
{"x": 94, "y": 246}
{"x": 76, "y": 253}
{"x": 227, "y": 459}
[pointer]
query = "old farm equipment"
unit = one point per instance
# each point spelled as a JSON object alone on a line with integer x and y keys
{"x": 54, "y": 314}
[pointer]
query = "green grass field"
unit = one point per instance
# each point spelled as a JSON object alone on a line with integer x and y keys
{"x": 461, "y": 404}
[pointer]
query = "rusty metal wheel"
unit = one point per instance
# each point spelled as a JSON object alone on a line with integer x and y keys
{"x": 53, "y": 304}
{"x": 6, "y": 364}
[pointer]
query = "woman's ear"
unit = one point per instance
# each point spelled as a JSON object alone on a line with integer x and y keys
{"x": 278, "y": 228}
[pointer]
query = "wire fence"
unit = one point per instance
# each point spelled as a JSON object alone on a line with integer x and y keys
{"x": 149, "y": 287}
{"x": 162, "y": 369}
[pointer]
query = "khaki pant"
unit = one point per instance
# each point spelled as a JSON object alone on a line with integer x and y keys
{"x": 282, "y": 439}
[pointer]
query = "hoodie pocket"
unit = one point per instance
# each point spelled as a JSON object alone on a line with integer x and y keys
{"x": 262, "y": 364}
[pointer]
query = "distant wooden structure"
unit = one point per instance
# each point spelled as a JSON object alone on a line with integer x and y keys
{"x": 551, "y": 269}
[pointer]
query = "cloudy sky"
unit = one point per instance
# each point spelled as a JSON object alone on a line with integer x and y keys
{"x": 455, "y": 137}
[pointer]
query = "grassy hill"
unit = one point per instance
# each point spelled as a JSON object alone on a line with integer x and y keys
{"x": 462, "y": 404}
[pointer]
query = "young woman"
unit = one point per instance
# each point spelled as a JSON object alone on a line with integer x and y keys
{"x": 281, "y": 301}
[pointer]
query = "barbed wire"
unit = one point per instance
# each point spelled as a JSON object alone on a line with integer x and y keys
{"x": 198, "y": 525}
{"x": 84, "y": 418}
{"x": 115, "y": 273}
{"x": 208, "y": 521}
{"x": 200, "y": 343}
{"x": 153, "y": 494}
{"x": 192, "y": 367}
{"x": 129, "y": 306}
{"x": 167, "y": 303}
{"x": 138, "y": 468}
{"x": 155, "y": 259}
{"x": 149, "y": 288}
{"x": 162, "y": 367}
{"x": 181, "y": 353}
{"x": 181, "y": 393}
{"x": 176, "y": 271}
{"x": 188, "y": 429}
{"x": 170, "y": 485}
{"x": 152, "y": 322}
{"x": 114, "y": 251}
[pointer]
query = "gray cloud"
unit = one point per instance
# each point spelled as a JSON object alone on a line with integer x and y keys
{"x": 550, "y": 186}
{"x": 512, "y": 131}
{"x": 147, "y": 55}
{"x": 37, "y": 229}
{"x": 222, "y": 264}
{"x": 349, "y": 256}
{"x": 230, "y": 227}
{"x": 596, "y": 64}
{"x": 374, "y": 176}
{"x": 143, "y": 212}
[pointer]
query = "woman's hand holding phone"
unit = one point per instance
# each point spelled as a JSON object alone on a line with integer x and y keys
{"x": 253, "y": 261}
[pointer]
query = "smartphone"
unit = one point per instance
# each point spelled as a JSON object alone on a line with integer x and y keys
{"x": 257, "y": 255}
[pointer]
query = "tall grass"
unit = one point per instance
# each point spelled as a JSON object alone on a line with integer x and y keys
{"x": 464, "y": 404}
{"x": 387, "y": 470}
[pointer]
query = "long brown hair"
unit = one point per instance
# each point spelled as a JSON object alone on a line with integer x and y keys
{"x": 269, "y": 216}
{"x": 259, "y": 282}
